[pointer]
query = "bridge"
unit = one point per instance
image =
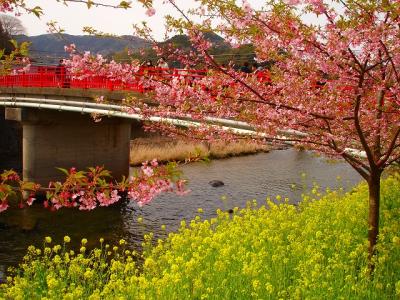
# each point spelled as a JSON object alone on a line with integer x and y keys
{"x": 58, "y": 131}
{"x": 54, "y": 110}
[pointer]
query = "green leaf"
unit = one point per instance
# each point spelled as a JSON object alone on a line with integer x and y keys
{"x": 89, "y": 4}
{"x": 14, "y": 43}
{"x": 65, "y": 171}
{"x": 37, "y": 11}
{"x": 125, "y": 4}
{"x": 24, "y": 48}
{"x": 105, "y": 173}
{"x": 28, "y": 186}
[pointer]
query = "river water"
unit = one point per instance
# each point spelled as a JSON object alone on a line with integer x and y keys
{"x": 246, "y": 178}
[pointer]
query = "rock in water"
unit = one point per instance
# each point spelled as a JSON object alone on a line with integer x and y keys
{"x": 216, "y": 183}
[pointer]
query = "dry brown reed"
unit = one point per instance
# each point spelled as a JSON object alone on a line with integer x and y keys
{"x": 167, "y": 149}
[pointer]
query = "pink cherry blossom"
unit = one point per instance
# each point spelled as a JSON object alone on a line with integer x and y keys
{"x": 150, "y": 12}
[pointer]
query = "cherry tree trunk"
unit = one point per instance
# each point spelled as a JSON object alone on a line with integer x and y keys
{"x": 374, "y": 185}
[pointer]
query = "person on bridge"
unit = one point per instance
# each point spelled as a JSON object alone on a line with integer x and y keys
{"x": 245, "y": 68}
{"x": 162, "y": 69}
{"x": 61, "y": 75}
{"x": 162, "y": 65}
{"x": 263, "y": 75}
{"x": 148, "y": 67}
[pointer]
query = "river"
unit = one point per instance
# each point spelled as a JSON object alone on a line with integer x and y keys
{"x": 246, "y": 178}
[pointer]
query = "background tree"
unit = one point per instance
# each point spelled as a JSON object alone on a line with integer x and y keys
{"x": 11, "y": 25}
{"x": 5, "y": 38}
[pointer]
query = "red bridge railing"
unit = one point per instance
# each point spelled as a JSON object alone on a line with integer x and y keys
{"x": 43, "y": 76}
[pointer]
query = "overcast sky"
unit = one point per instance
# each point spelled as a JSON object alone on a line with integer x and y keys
{"x": 75, "y": 16}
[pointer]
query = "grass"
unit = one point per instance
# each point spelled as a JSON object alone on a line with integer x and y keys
{"x": 316, "y": 250}
{"x": 165, "y": 149}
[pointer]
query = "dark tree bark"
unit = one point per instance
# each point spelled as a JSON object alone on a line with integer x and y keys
{"x": 374, "y": 185}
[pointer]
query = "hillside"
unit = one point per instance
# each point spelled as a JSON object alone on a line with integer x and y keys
{"x": 50, "y": 47}
{"x": 221, "y": 50}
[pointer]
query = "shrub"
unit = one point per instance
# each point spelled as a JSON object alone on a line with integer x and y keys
{"x": 317, "y": 250}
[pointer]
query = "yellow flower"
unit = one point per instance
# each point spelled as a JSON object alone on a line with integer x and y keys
{"x": 122, "y": 242}
{"x": 88, "y": 274}
{"x": 269, "y": 287}
{"x": 47, "y": 239}
{"x": 398, "y": 287}
{"x": 256, "y": 284}
{"x": 67, "y": 239}
{"x": 51, "y": 282}
{"x": 84, "y": 242}
{"x": 57, "y": 259}
{"x": 83, "y": 249}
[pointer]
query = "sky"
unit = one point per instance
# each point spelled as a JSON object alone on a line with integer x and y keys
{"x": 75, "y": 16}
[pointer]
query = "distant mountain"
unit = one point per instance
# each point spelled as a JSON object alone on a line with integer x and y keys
{"x": 47, "y": 46}
{"x": 182, "y": 41}
{"x": 221, "y": 50}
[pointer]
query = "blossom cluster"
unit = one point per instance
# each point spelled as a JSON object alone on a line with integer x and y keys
{"x": 338, "y": 82}
{"x": 6, "y": 6}
{"x": 11, "y": 186}
{"x": 87, "y": 190}
{"x": 87, "y": 65}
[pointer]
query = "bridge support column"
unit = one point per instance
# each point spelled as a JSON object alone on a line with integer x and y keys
{"x": 10, "y": 135}
{"x": 66, "y": 139}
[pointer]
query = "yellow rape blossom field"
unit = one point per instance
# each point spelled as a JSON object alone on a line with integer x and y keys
{"x": 316, "y": 250}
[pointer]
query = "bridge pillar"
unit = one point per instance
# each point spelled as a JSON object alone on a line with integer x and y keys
{"x": 10, "y": 143}
{"x": 54, "y": 139}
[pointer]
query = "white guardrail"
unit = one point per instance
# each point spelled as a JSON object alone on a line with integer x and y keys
{"x": 119, "y": 111}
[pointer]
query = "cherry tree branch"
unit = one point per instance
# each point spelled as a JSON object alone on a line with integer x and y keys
{"x": 391, "y": 61}
{"x": 392, "y": 144}
{"x": 122, "y": 5}
{"x": 357, "y": 122}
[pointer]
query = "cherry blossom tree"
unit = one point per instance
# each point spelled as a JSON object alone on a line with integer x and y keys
{"x": 337, "y": 82}
{"x": 334, "y": 82}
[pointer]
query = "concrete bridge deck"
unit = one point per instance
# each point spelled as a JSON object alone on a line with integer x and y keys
{"x": 68, "y": 93}
{"x": 59, "y": 138}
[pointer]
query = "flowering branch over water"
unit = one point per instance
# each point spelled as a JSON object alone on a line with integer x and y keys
{"x": 87, "y": 190}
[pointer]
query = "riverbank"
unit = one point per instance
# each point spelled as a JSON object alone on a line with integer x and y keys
{"x": 245, "y": 177}
{"x": 168, "y": 149}
{"x": 315, "y": 250}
